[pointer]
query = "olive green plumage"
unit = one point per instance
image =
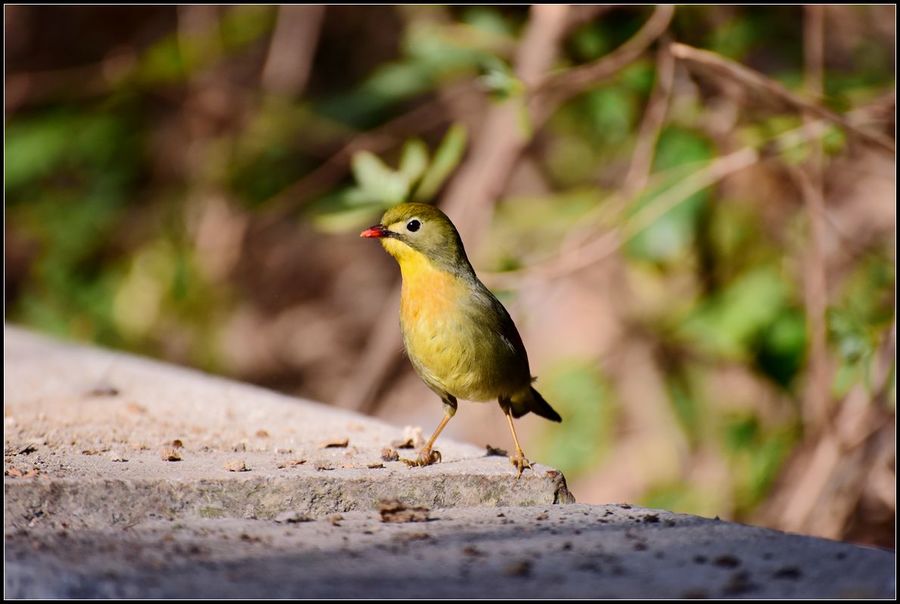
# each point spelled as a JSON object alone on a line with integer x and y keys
{"x": 458, "y": 336}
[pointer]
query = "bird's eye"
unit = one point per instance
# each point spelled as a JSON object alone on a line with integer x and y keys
{"x": 413, "y": 225}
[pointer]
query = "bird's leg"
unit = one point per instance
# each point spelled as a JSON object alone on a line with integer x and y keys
{"x": 518, "y": 460}
{"x": 426, "y": 456}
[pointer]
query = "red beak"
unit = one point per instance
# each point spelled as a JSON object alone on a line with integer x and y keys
{"x": 374, "y": 231}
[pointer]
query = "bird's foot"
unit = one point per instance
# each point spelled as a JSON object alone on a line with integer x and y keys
{"x": 520, "y": 462}
{"x": 426, "y": 457}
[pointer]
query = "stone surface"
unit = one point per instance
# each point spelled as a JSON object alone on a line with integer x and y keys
{"x": 130, "y": 478}
{"x": 570, "y": 551}
{"x": 86, "y": 433}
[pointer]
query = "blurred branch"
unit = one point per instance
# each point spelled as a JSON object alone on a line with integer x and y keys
{"x": 78, "y": 82}
{"x": 827, "y": 460}
{"x": 421, "y": 119}
{"x": 196, "y": 21}
{"x": 581, "y": 14}
{"x": 715, "y": 63}
{"x": 651, "y": 125}
{"x": 377, "y": 360}
{"x": 606, "y": 244}
{"x": 809, "y": 178}
{"x": 832, "y": 463}
{"x": 476, "y": 184}
{"x": 815, "y": 293}
{"x": 598, "y": 248}
{"x": 555, "y": 89}
{"x": 431, "y": 114}
{"x": 502, "y": 136}
{"x": 545, "y": 92}
{"x": 292, "y": 49}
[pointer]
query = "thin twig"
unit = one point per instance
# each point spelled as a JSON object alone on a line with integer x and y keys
{"x": 584, "y": 13}
{"x": 809, "y": 178}
{"x": 292, "y": 49}
{"x": 651, "y": 125}
{"x": 815, "y": 408}
{"x": 70, "y": 83}
{"x": 431, "y": 115}
{"x": 420, "y": 119}
{"x": 598, "y": 248}
{"x": 606, "y": 244}
{"x": 377, "y": 360}
{"x": 755, "y": 80}
{"x": 501, "y": 138}
{"x": 565, "y": 84}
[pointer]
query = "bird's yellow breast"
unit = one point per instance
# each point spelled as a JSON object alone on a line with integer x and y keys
{"x": 437, "y": 331}
{"x": 430, "y": 298}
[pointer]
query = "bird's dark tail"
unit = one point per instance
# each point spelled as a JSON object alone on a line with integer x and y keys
{"x": 531, "y": 401}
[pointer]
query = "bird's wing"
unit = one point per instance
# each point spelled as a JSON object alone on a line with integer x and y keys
{"x": 494, "y": 322}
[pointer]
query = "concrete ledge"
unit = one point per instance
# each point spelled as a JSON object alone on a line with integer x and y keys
{"x": 85, "y": 431}
{"x": 571, "y": 551}
{"x": 257, "y": 506}
{"x": 104, "y": 502}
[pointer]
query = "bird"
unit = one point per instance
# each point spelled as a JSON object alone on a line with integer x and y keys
{"x": 458, "y": 337}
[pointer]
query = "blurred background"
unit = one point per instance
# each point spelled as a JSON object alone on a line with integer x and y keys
{"x": 700, "y": 258}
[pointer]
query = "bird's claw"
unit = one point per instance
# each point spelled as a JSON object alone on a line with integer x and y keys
{"x": 521, "y": 463}
{"x": 425, "y": 458}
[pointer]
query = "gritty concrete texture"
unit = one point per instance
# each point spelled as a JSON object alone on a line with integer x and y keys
{"x": 566, "y": 551}
{"x": 86, "y": 431}
{"x": 130, "y": 478}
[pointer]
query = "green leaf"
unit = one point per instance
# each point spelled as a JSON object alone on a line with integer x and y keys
{"x": 440, "y": 51}
{"x": 730, "y": 323}
{"x": 612, "y": 113}
{"x": 414, "y": 160}
{"x": 378, "y": 180}
{"x": 34, "y": 149}
{"x": 834, "y": 140}
{"x": 578, "y": 391}
{"x": 346, "y": 220}
{"x": 500, "y": 80}
{"x": 487, "y": 19}
{"x": 345, "y": 210}
{"x": 243, "y": 24}
{"x": 780, "y": 349}
{"x": 446, "y": 158}
{"x": 672, "y": 232}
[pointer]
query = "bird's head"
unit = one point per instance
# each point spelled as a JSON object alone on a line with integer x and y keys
{"x": 411, "y": 230}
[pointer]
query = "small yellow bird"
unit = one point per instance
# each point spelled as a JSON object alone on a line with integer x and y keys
{"x": 459, "y": 338}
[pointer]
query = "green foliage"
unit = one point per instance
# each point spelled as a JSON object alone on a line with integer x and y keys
{"x": 528, "y": 228}
{"x": 379, "y": 187}
{"x": 377, "y": 181}
{"x": 682, "y": 496}
{"x": 63, "y": 141}
{"x": 756, "y": 454}
{"x": 672, "y": 233}
{"x": 67, "y": 177}
{"x": 689, "y": 409}
{"x": 859, "y": 322}
{"x": 499, "y": 79}
{"x": 488, "y": 20}
{"x": 175, "y": 57}
{"x": 779, "y": 349}
{"x": 448, "y": 155}
{"x": 414, "y": 160}
{"x": 598, "y": 37}
{"x": 730, "y": 321}
{"x": 580, "y": 394}
{"x": 433, "y": 53}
